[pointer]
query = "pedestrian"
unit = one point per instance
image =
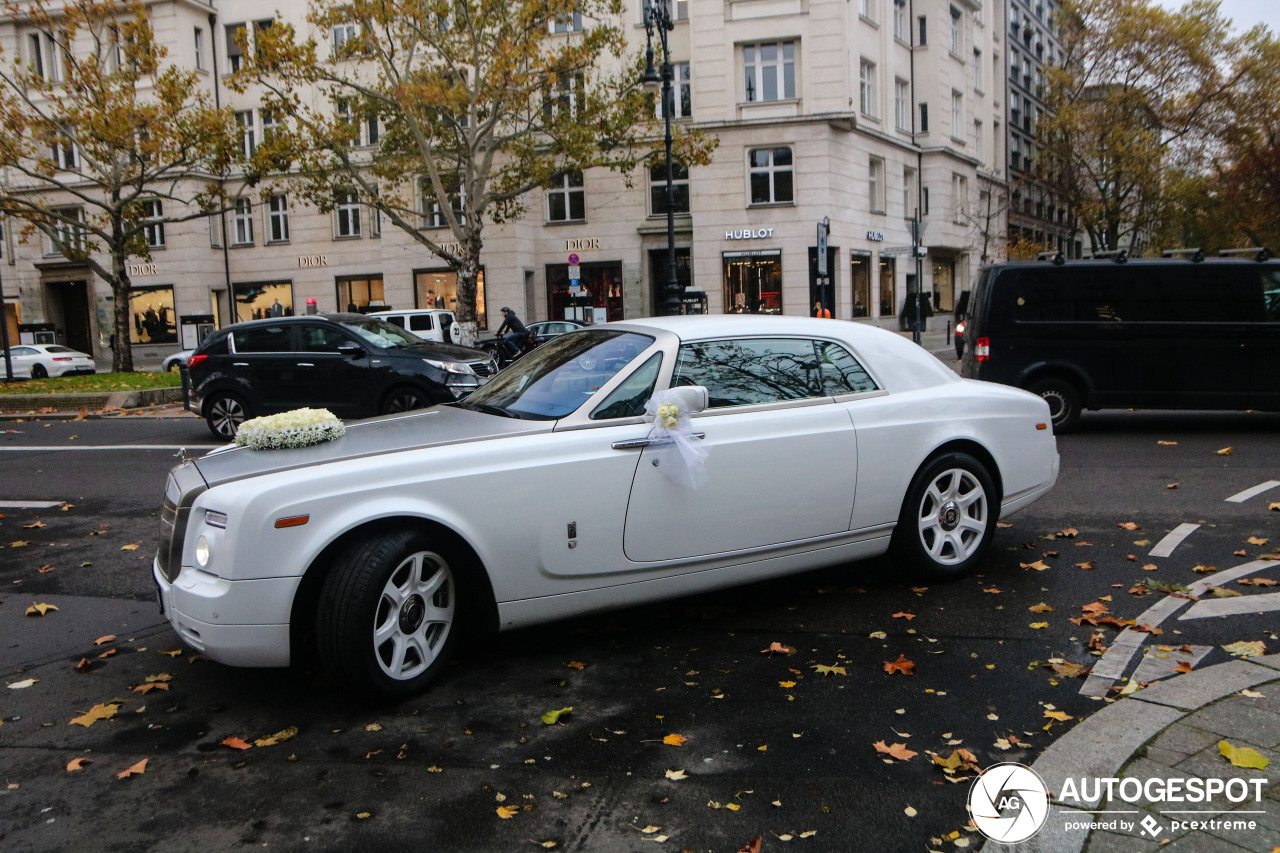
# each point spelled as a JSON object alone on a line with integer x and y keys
{"x": 819, "y": 310}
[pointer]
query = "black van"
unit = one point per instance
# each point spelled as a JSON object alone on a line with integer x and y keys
{"x": 1173, "y": 333}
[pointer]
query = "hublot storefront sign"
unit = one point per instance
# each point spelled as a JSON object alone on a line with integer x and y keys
{"x": 749, "y": 234}
{"x": 875, "y": 236}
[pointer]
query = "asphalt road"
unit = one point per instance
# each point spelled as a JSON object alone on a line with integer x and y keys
{"x": 772, "y": 747}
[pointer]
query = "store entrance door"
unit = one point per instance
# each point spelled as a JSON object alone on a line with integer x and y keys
{"x": 70, "y": 309}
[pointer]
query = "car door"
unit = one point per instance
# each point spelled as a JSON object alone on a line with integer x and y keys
{"x": 781, "y": 464}
{"x": 1264, "y": 347}
{"x": 329, "y": 379}
{"x": 21, "y": 358}
{"x": 263, "y": 364}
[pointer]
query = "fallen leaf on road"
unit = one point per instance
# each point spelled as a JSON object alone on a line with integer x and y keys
{"x": 1088, "y": 564}
{"x": 1204, "y": 570}
{"x": 103, "y": 711}
{"x": 901, "y": 665}
{"x": 237, "y": 743}
{"x": 1243, "y": 756}
{"x": 1171, "y": 486}
{"x": 828, "y": 670}
{"x": 1182, "y": 667}
{"x": 910, "y": 812}
{"x": 898, "y": 750}
{"x": 77, "y": 764}
{"x": 507, "y": 812}
{"x": 108, "y": 638}
{"x": 1226, "y": 451}
{"x": 1246, "y": 649}
{"x": 576, "y": 664}
{"x": 40, "y": 609}
{"x": 1167, "y": 443}
{"x": 34, "y": 525}
{"x": 1040, "y": 608}
{"x": 677, "y": 774}
{"x": 23, "y": 684}
{"x": 278, "y": 737}
{"x": 904, "y": 615}
{"x": 1038, "y": 565}
{"x": 675, "y": 740}
{"x": 1258, "y": 582}
{"x": 553, "y": 717}
{"x": 993, "y": 591}
{"x": 1039, "y": 625}
{"x": 778, "y": 648}
{"x": 132, "y": 547}
{"x": 136, "y": 770}
{"x": 1257, "y": 540}
{"x": 1129, "y": 525}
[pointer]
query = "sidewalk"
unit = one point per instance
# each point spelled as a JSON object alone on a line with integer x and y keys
{"x": 1169, "y": 731}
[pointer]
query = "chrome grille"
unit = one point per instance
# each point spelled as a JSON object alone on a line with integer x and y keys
{"x": 180, "y": 492}
{"x": 484, "y": 368}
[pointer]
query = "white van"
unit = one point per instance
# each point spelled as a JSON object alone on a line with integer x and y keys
{"x": 432, "y": 324}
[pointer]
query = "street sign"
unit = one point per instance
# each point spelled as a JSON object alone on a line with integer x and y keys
{"x": 575, "y": 273}
{"x": 573, "y": 260}
{"x": 824, "y": 228}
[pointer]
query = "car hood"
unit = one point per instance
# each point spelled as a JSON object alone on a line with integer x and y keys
{"x": 438, "y": 425}
{"x": 449, "y": 352}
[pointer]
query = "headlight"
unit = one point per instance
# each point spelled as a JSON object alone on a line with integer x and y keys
{"x": 203, "y": 551}
{"x": 451, "y": 366}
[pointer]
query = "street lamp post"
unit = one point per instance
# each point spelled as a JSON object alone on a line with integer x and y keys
{"x": 4, "y": 337}
{"x": 657, "y": 16}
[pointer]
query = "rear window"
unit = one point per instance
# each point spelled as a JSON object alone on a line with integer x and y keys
{"x": 58, "y": 349}
{"x": 262, "y": 339}
{"x": 420, "y": 322}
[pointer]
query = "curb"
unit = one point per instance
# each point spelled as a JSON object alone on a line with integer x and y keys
{"x": 1106, "y": 741}
{"x": 29, "y": 405}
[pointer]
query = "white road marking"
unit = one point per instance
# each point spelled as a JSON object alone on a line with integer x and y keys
{"x": 1166, "y": 545}
{"x": 1156, "y": 664}
{"x": 45, "y": 448}
{"x": 1110, "y": 668}
{"x": 1241, "y": 497}
{"x": 30, "y": 504}
{"x": 1233, "y": 606}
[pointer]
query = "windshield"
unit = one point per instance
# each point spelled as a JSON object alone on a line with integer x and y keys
{"x": 559, "y": 376}
{"x": 381, "y": 333}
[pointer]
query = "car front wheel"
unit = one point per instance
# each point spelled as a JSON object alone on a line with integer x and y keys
{"x": 224, "y": 413}
{"x": 1063, "y": 400}
{"x": 404, "y": 400}
{"x": 388, "y": 613}
{"x": 947, "y": 518}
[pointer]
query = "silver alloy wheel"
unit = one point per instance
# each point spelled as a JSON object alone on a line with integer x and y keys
{"x": 414, "y": 615}
{"x": 225, "y": 416}
{"x": 953, "y": 516}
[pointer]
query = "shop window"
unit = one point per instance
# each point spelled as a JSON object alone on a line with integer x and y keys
{"x": 151, "y": 309}
{"x": 888, "y": 287}
{"x": 259, "y": 301}
{"x": 658, "y": 188}
{"x": 567, "y": 199}
{"x": 860, "y": 277}
{"x": 770, "y": 71}
{"x": 596, "y": 299}
{"x": 753, "y": 283}
{"x": 439, "y": 289}
{"x": 771, "y": 175}
{"x": 360, "y": 294}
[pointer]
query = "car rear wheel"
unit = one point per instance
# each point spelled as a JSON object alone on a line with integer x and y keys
{"x": 388, "y": 614}
{"x": 224, "y": 413}
{"x": 174, "y": 366}
{"x": 38, "y": 371}
{"x": 404, "y": 400}
{"x": 947, "y": 518}
{"x": 1063, "y": 400}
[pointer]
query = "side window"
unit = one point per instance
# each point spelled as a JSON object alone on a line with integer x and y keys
{"x": 628, "y": 399}
{"x": 1271, "y": 297}
{"x": 217, "y": 346}
{"x": 396, "y": 320}
{"x": 322, "y": 339}
{"x": 751, "y": 371}
{"x": 420, "y": 323}
{"x": 841, "y": 372}
{"x": 263, "y": 339}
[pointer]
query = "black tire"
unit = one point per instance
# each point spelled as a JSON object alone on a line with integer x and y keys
{"x": 1063, "y": 400}
{"x": 175, "y": 366}
{"x": 224, "y": 412}
{"x": 948, "y": 517}
{"x": 404, "y": 399}
{"x": 38, "y": 372}
{"x": 387, "y": 620}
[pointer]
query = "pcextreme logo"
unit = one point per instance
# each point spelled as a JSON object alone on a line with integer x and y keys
{"x": 1008, "y": 802}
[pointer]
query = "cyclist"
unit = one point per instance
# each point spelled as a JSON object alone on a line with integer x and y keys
{"x": 518, "y": 333}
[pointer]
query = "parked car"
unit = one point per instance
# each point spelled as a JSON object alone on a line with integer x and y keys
{"x": 826, "y": 441}
{"x": 1174, "y": 333}
{"x": 547, "y": 329}
{"x": 175, "y": 361}
{"x": 430, "y": 324}
{"x": 37, "y": 361}
{"x": 353, "y": 365}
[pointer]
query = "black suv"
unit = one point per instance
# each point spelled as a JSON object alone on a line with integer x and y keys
{"x": 352, "y": 365}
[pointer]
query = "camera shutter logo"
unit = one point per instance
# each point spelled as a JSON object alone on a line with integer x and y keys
{"x": 1008, "y": 802}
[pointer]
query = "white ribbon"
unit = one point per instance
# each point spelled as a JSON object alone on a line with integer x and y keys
{"x": 680, "y": 456}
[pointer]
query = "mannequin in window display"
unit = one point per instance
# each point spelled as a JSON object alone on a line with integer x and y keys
{"x": 276, "y": 310}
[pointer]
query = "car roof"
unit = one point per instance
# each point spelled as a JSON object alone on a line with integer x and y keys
{"x": 335, "y": 317}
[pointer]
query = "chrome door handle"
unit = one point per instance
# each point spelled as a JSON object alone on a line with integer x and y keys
{"x": 240, "y": 364}
{"x": 305, "y": 364}
{"x": 631, "y": 444}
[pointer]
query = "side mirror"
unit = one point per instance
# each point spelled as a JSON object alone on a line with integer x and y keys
{"x": 690, "y": 398}
{"x": 351, "y": 350}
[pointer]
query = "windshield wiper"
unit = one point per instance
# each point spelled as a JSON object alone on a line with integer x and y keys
{"x": 491, "y": 410}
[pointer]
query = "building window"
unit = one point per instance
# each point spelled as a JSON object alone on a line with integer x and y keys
{"x": 1015, "y": 151}
{"x": 977, "y": 141}
{"x": 771, "y": 176}
{"x": 235, "y": 55}
{"x": 278, "y": 219}
{"x": 908, "y": 192}
{"x": 67, "y": 231}
{"x": 248, "y": 140}
{"x": 977, "y": 69}
{"x": 955, "y": 31}
{"x": 343, "y": 33}
{"x": 347, "y": 215}
{"x": 924, "y": 118}
{"x": 564, "y": 97}
{"x": 243, "y": 222}
{"x": 1013, "y": 65}
{"x": 960, "y": 194}
{"x": 924, "y": 31}
{"x": 571, "y": 23}
{"x": 770, "y": 70}
{"x": 681, "y": 92}
{"x": 567, "y": 199}
{"x": 151, "y": 308}
{"x": 957, "y": 115}
{"x": 900, "y": 20}
{"x": 46, "y": 58}
{"x": 432, "y": 214}
{"x": 215, "y": 231}
{"x": 901, "y": 104}
{"x": 867, "y": 88}
{"x": 875, "y": 178}
{"x": 867, "y": 9}
{"x": 153, "y": 215}
{"x": 199, "y": 46}
{"x": 658, "y": 188}
{"x": 63, "y": 150}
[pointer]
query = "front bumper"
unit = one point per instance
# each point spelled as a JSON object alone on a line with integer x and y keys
{"x": 239, "y": 623}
